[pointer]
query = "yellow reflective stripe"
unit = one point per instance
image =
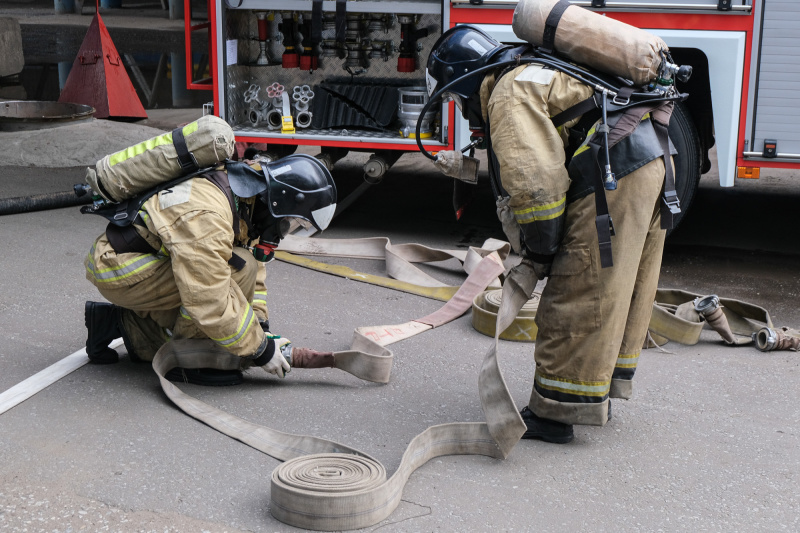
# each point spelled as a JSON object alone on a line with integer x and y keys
{"x": 149, "y": 144}
{"x": 580, "y": 388}
{"x": 244, "y": 326}
{"x": 127, "y": 269}
{"x": 543, "y": 212}
{"x": 581, "y": 150}
{"x": 230, "y": 340}
{"x": 585, "y": 145}
{"x": 260, "y": 296}
{"x": 627, "y": 360}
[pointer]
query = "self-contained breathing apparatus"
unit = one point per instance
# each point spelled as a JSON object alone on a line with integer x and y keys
{"x": 296, "y": 187}
{"x": 464, "y": 55}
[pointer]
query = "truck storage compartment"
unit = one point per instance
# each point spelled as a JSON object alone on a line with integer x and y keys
{"x": 308, "y": 72}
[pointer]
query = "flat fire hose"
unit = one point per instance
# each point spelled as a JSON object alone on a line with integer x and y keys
{"x": 674, "y": 318}
{"x": 324, "y": 485}
{"x": 399, "y": 258}
{"x": 408, "y": 278}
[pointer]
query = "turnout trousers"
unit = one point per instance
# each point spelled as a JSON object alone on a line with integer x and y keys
{"x": 151, "y": 308}
{"x": 593, "y": 321}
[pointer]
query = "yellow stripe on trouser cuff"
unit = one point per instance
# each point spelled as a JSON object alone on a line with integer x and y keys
{"x": 543, "y": 212}
{"x": 627, "y": 360}
{"x": 260, "y": 296}
{"x": 124, "y": 270}
{"x": 578, "y": 388}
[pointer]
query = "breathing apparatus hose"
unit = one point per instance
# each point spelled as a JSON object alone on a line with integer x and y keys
{"x": 40, "y": 202}
{"x": 582, "y": 75}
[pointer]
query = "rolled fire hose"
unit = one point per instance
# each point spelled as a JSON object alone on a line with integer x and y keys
{"x": 485, "y": 307}
{"x": 325, "y": 485}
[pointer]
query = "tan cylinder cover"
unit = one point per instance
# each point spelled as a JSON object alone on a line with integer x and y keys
{"x": 593, "y": 40}
{"x": 143, "y": 166}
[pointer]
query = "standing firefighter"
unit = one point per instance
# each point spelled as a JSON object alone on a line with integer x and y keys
{"x": 182, "y": 267}
{"x": 553, "y": 135}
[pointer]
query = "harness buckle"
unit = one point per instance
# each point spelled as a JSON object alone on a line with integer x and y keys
{"x": 188, "y": 162}
{"x": 672, "y": 202}
{"x": 620, "y": 101}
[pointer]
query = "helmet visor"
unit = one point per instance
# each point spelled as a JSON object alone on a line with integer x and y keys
{"x": 448, "y": 96}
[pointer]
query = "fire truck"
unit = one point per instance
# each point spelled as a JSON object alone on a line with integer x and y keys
{"x": 349, "y": 75}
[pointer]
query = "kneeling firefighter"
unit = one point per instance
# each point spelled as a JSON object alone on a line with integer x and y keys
{"x": 554, "y": 131}
{"x": 186, "y": 260}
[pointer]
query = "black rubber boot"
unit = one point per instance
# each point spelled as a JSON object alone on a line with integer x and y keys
{"x": 609, "y": 409}
{"x": 102, "y": 323}
{"x": 209, "y": 377}
{"x": 545, "y": 429}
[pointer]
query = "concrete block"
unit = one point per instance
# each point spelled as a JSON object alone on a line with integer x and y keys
{"x": 11, "y": 59}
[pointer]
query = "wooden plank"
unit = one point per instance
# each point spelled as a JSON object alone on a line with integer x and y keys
{"x": 43, "y": 379}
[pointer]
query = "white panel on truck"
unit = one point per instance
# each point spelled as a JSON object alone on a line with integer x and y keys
{"x": 777, "y": 109}
{"x": 736, "y": 6}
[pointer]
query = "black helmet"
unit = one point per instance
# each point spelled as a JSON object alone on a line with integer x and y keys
{"x": 295, "y": 186}
{"x": 459, "y": 51}
{"x": 300, "y": 186}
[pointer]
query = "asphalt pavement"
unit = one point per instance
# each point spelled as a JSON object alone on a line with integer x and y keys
{"x": 708, "y": 443}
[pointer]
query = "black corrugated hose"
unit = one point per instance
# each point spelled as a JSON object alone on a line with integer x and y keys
{"x": 40, "y": 202}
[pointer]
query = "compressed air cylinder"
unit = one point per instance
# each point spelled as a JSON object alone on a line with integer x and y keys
{"x": 593, "y": 40}
{"x": 140, "y": 167}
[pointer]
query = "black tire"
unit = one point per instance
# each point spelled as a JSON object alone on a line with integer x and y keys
{"x": 688, "y": 161}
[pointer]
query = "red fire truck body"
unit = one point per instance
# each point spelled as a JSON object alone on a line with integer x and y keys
{"x": 367, "y": 62}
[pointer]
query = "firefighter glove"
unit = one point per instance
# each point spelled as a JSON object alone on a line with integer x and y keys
{"x": 275, "y": 356}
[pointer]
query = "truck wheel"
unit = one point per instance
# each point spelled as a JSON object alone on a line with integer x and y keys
{"x": 688, "y": 161}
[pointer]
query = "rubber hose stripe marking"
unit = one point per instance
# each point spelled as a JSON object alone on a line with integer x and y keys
{"x": 149, "y": 144}
{"x": 442, "y": 294}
